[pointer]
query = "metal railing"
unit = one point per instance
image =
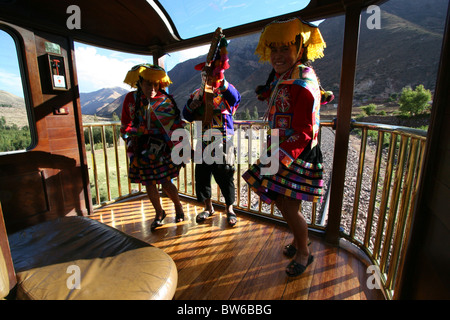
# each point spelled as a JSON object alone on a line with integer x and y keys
{"x": 381, "y": 184}
{"x": 390, "y": 168}
{"x": 107, "y": 162}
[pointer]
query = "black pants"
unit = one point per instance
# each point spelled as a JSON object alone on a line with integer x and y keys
{"x": 223, "y": 174}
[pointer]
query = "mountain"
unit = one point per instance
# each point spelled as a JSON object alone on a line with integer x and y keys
{"x": 403, "y": 52}
{"x": 10, "y": 100}
{"x": 98, "y": 102}
{"x": 113, "y": 107}
{"x": 12, "y": 109}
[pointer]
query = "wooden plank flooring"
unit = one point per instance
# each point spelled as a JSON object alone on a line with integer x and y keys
{"x": 245, "y": 262}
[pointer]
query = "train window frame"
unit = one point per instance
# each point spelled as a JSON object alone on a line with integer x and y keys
{"x": 19, "y": 51}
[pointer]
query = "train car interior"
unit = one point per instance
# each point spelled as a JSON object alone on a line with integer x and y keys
{"x": 59, "y": 241}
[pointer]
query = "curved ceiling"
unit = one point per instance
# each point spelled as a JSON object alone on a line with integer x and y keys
{"x": 144, "y": 26}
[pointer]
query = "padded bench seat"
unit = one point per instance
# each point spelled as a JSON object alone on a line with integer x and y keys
{"x": 49, "y": 257}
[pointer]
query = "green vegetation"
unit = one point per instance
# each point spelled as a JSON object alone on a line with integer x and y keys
{"x": 12, "y": 137}
{"x": 97, "y": 135}
{"x": 247, "y": 115}
{"x": 414, "y": 102}
{"x": 113, "y": 175}
{"x": 369, "y": 109}
{"x": 410, "y": 112}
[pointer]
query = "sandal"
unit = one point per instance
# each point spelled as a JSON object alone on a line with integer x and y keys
{"x": 290, "y": 250}
{"x": 203, "y": 215}
{"x": 158, "y": 222}
{"x": 231, "y": 218}
{"x": 179, "y": 217}
{"x": 295, "y": 269}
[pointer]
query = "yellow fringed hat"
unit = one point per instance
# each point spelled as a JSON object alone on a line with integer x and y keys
{"x": 147, "y": 72}
{"x": 283, "y": 32}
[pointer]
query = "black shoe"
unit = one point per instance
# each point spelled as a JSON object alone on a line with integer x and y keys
{"x": 231, "y": 218}
{"x": 203, "y": 215}
{"x": 179, "y": 217}
{"x": 295, "y": 269}
{"x": 290, "y": 250}
{"x": 158, "y": 222}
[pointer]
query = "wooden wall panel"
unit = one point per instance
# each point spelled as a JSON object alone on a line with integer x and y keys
{"x": 28, "y": 190}
{"x": 50, "y": 180}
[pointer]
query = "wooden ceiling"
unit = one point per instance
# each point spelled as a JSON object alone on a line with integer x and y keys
{"x": 137, "y": 26}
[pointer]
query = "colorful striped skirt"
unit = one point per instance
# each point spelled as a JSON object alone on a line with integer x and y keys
{"x": 302, "y": 180}
{"x": 152, "y": 171}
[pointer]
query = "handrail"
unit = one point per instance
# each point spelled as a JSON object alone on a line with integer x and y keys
{"x": 377, "y": 218}
{"x": 394, "y": 173}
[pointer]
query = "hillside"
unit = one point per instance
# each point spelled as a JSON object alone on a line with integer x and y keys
{"x": 101, "y": 102}
{"x": 13, "y": 109}
{"x": 404, "y": 52}
{"x": 10, "y": 100}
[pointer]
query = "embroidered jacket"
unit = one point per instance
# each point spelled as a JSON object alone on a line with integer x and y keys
{"x": 226, "y": 102}
{"x": 157, "y": 117}
{"x": 294, "y": 107}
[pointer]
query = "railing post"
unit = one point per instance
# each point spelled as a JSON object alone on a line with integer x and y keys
{"x": 344, "y": 112}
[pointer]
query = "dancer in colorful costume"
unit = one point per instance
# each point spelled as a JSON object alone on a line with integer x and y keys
{"x": 294, "y": 96}
{"x": 226, "y": 101}
{"x": 149, "y": 116}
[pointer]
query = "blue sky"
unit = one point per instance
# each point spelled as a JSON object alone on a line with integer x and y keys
{"x": 99, "y": 68}
{"x": 9, "y": 66}
{"x": 196, "y": 17}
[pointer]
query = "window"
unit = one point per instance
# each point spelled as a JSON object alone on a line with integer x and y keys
{"x": 196, "y": 17}
{"x": 15, "y": 134}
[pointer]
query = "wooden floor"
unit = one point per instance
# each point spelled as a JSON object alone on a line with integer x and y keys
{"x": 215, "y": 261}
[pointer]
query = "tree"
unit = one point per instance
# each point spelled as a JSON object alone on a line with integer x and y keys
{"x": 2, "y": 122}
{"x": 369, "y": 109}
{"x": 246, "y": 115}
{"x": 255, "y": 114}
{"x": 414, "y": 102}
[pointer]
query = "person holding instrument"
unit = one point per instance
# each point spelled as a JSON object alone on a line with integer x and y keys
{"x": 294, "y": 96}
{"x": 149, "y": 116}
{"x": 225, "y": 101}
